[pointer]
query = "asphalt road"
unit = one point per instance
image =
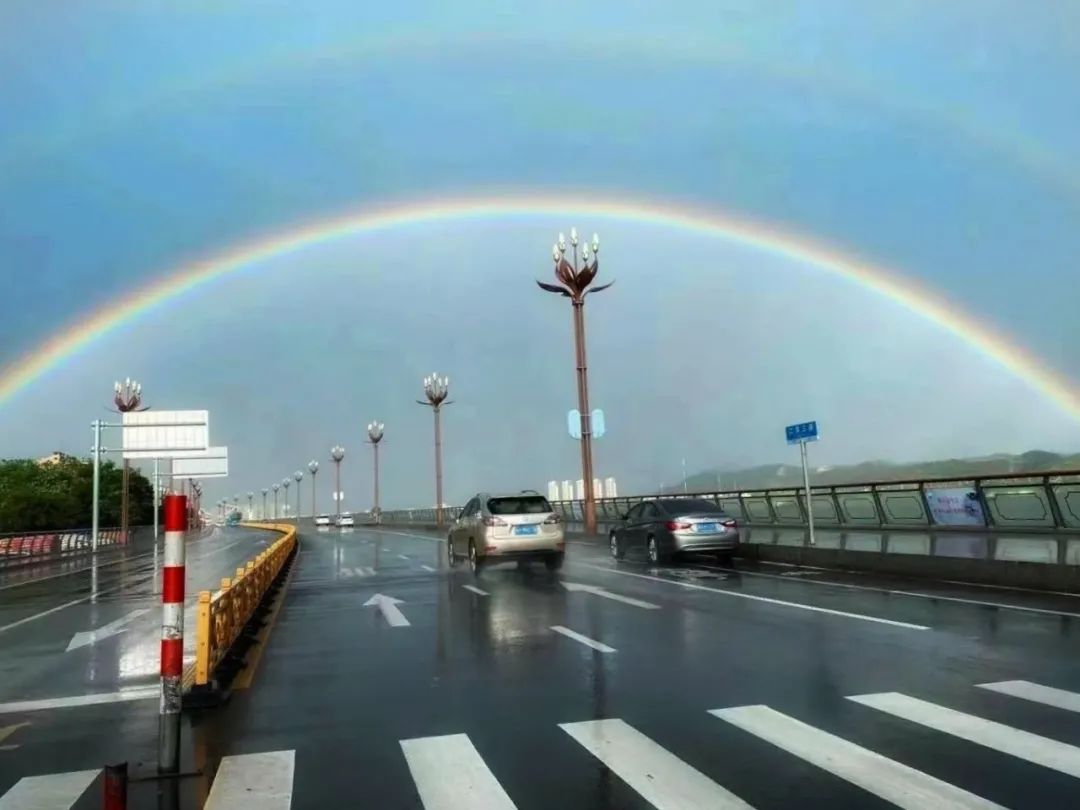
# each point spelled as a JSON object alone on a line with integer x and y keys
{"x": 80, "y": 655}
{"x": 625, "y": 686}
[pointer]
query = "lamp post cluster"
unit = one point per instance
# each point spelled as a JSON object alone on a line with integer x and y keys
{"x": 576, "y": 268}
{"x": 127, "y": 397}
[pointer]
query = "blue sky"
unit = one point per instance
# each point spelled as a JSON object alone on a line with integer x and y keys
{"x": 940, "y": 141}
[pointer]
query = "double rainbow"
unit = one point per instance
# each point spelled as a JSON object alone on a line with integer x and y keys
{"x": 67, "y": 343}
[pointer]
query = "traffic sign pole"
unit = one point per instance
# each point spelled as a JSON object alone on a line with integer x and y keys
{"x": 806, "y": 485}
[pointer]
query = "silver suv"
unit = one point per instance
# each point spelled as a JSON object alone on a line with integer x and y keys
{"x": 501, "y": 528}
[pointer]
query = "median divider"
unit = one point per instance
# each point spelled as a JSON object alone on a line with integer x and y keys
{"x": 228, "y": 621}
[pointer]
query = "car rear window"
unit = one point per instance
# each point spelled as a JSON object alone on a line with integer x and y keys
{"x": 519, "y": 505}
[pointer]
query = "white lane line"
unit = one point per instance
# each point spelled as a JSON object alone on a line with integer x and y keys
{"x": 661, "y": 778}
{"x": 1023, "y": 744}
{"x": 360, "y": 572}
{"x": 428, "y": 568}
{"x": 124, "y": 695}
{"x": 58, "y": 791}
{"x": 755, "y": 598}
{"x": 475, "y": 590}
{"x": 891, "y": 780}
{"x": 253, "y": 782}
{"x": 588, "y": 642}
{"x": 403, "y": 556}
{"x": 914, "y": 594}
{"x": 1037, "y": 693}
{"x": 369, "y": 571}
{"x": 450, "y": 775}
{"x": 44, "y": 613}
{"x": 408, "y": 534}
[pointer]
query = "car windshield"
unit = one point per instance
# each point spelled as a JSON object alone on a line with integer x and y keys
{"x": 519, "y": 505}
{"x": 687, "y": 505}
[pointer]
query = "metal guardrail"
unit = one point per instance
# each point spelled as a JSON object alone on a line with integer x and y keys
{"x": 1029, "y": 503}
{"x": 222, "y": 616}
{"x": 34, "y": 546}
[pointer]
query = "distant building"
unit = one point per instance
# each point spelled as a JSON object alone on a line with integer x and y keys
{"x": 579, "y": 490}
{"x": 553, "y": 491}
{"x": 597, "y": 488}
{"x": 567, "y": 491}
{"x": 610, "y": 490}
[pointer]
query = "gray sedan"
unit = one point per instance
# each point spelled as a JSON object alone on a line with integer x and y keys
{"x": 658, "y": 530}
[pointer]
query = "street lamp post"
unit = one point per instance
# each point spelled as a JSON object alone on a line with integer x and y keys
{"x": 337, "y": 453}
{"x": 251, "y": 507}
{"x": 375, "y": 434}
{"x": 313, "y": 468}
{"x": 574, "y": 278}
{"x": 436, "y": 390}
{"x": 127, "y": 397}
{"x": 298, "y": 476}
{"x": 286, "y": 482}
{"x": 265, "y": 492}
{"x": 275, "y": 487}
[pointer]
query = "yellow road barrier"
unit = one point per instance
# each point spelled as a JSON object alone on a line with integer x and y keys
{"x": 223, "y": 615}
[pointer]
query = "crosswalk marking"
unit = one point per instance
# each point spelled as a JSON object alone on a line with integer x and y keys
{"x": 892, "y": 781}
{"x": 1023, "y": 744}
{"x": 58, "y": 791}
{"x": 450, "y": 775}
{"x": 1037, "y": 693}
{"x": 253, "y": 782}
{"x": 658, "y": 776}
{"x": 588, "y": 642}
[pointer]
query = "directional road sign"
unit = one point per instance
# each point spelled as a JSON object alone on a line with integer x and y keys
{"x": 802, "y": 432}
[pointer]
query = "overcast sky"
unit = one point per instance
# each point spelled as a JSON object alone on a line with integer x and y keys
{"x": 941, "y": 140}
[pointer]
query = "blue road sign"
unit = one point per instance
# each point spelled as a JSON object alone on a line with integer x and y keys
{"x": 802, "y": 432}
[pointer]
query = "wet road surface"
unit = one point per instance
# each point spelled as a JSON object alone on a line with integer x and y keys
{"x": 394, "y": 681}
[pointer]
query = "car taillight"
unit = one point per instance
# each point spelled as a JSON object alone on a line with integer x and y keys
{"x": 731, "y": 524}
{"x": 554, "y": 519}
{"x": 675, "y": 526}
{"x": 490, "y": 520}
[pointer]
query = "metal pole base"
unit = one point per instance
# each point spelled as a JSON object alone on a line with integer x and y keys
{"x": 169, "y": 743}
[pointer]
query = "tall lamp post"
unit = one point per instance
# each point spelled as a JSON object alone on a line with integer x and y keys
{"x": 298, "y": 476}
{"x": 275, "y": 488}
{"x": 337, "y": 453}
{"x": 286, "y": 482}
{"x": 251, "y": 507}
{"x": 127, "y": 397}
{"x": 313, "y": 468}
{"x": 436, "y": 390}
{"x": 265, "y": 492}
{"x": 375, "y": 434}
{"x": 574, "y": 277}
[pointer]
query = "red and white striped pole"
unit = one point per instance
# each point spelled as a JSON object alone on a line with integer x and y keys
{"x": 172, "y": 634}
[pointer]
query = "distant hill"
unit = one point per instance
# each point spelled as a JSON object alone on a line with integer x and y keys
{"x": 783, "y": 475}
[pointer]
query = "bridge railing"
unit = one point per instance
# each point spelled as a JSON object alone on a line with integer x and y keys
{"x": 26, "y": 547}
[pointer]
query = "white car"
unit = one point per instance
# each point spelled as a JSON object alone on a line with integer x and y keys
{"x": 346, "y": 520}
{"x": 322, "y": 520}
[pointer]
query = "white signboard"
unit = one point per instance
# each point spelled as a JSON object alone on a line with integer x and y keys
{"x": 211, "y": 463}
{"x": 162, "y": 434}
{"x": 955, "y": 507}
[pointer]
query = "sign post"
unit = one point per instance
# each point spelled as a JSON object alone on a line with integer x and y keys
{"x": 800, "y": 434}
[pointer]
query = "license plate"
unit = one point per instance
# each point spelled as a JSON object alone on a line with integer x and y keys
{"x": 706, "y": 527}
{"x": 528, "y": 529}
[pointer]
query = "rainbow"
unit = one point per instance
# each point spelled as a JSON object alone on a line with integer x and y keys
{"x": 903, "y": 291}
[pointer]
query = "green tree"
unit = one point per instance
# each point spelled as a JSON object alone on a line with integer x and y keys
{"x": 40, "y": 497}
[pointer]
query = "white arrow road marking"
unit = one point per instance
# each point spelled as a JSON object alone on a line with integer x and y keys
{"x": 7, "y": 731}
{"x": 389, "y": 607}
{"x": 596, "y": 590}
{"x": 346, "y": 572}
{"x": 588, "y": 642}
{"x": 428, "y": 568}
{"x": 88, "y": 637}
{"x": 403, "y": 556}
{"x": 475, "y": 590}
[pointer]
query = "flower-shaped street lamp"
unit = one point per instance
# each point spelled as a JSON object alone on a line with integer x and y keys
{"x": 375, "y": 434}
{"x": 436, "y": 391}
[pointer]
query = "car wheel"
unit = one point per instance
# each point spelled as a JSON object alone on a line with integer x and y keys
{"x": 554, "y": 561}
{"x": 451, "y": 558}
{"x": 476, "y": 564}
{"x": 656, "y": 556}
{"x": 616, "y": 551}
